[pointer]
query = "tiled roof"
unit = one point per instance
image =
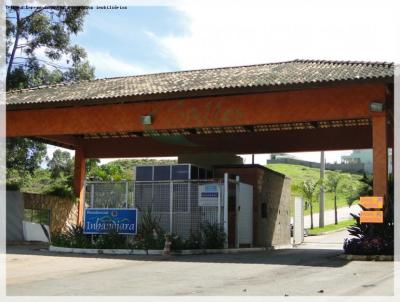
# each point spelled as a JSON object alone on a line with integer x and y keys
{"x": 297, "y": 72}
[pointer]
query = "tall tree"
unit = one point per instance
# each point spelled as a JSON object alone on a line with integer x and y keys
{"x": 61, "y": 163}
{"x": 23, "y": 157}
{"x": 39, "y": 51}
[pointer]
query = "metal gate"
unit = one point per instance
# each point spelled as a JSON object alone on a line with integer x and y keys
{"x": 179, "y": 204}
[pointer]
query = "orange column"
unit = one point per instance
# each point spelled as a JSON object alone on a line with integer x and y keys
{"x": 380, "y": 154}
{"x": 79, "y": 182}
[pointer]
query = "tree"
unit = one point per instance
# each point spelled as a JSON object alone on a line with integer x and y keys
{"x": 37, "y": 39}
{"x": 367, "y": 185}
{"x": 308, "y": 189}
{"x": 23, "y": 157}
{"x": 91, "y": 165}
{"x": 61, "y": 163}
{"x": 333, "y": 182}
{"x": 354, "y": 190}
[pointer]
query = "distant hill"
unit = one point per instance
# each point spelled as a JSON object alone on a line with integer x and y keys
{"x": 124, "y": 168}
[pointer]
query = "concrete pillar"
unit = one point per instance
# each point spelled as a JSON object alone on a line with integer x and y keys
{"x": 226, "y": 192}
{"x": 322, "y": 192}
{"x": 79, "y": 182}
{"x": 380, "y": 154}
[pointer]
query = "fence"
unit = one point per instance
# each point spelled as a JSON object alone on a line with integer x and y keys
{"x": 177, "y": 204}
{"x": 110, "y": 194}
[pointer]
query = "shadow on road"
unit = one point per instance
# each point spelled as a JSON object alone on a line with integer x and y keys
{"x": 294, "y": 256}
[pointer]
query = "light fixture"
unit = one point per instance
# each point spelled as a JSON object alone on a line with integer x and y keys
{"x": 376, "y": 107}
{"x": 146, "y": 119}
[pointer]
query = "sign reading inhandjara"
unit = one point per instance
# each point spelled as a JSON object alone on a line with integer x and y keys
{"x": 100, "y": 221}
{"x": 372, "y": 202}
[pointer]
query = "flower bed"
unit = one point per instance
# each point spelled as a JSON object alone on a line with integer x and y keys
{"x": 368, "y": 246}
{"x": 153, "y": 238}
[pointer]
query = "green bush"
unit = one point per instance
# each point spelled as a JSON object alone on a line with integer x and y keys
{"x": 374, "y": 238}
{"x": 61, "y": 187}
{"x": 73, "y": 237}
{"x": 14, "y": 186}
{"x": 213, "y": 235}
{"x": 150, "y": 234}
{"x": 195, "y": 241}
{"x": 177, "y": 243}
{"x": 111, "y": 240}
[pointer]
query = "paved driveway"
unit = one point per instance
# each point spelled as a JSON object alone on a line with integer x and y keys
{"x": 329, "y": 217}
{"x": 311, "y": 269}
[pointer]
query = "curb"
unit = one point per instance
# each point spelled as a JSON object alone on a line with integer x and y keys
{"x": 218, "y": 251}
{"x": 367, "y": 257}
{"x": 328, "y": 232}
{"x": 57, "y": 249}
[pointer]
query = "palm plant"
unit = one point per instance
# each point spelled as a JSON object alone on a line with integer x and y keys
{"x": 150, "y": 231}
{"x": 307, "y": 189}
{"x": 333, "y": 182}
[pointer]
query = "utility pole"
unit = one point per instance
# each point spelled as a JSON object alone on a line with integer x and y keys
{"x": 322, "y": 193}
{"x": 252, "y": 159}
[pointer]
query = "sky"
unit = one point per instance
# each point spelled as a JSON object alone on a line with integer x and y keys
{"x": 203, "y": 34}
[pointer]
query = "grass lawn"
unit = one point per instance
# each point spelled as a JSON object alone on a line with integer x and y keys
{"x": 332, "y": 227}
{"x": 299, "y": 173}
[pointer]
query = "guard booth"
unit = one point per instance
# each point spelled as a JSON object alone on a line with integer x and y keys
{"x": 184, "y": 197}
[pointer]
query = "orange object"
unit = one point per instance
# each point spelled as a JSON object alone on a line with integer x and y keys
{"x": 371, "y": 217}
{"x": 371, "y": 202}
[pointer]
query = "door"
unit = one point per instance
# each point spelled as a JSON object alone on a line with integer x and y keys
{"x": 244, "y": 230}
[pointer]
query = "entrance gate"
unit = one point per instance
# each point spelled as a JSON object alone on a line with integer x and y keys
{"x": 182, "y": 207}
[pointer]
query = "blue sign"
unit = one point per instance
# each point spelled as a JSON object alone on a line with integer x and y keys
{"x": 100, "y": 221}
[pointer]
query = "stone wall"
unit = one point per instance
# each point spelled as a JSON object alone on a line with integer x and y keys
{"x": 63, "y": 211}
{"x": 275, "y": 192}
{"x": 272, "y": 189}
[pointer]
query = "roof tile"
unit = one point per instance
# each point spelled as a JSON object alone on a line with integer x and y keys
{"x": 261, "y": 75}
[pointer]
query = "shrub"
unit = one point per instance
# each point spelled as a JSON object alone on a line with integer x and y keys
{"x": 368, "y": 246}
{"x": 195, "y": 241}
{"x": 60, "y": 187}
{"x": 73, "y": 237}
{"x": 111, "y": 240}
{"x": 213, "y": 236}
{"x": 373, "y": 238}
{"x": 148, "y": 243}
{"x": 13, "y": 186}
{"x": 150, "y": 234}
{"x": 177, "y": 243}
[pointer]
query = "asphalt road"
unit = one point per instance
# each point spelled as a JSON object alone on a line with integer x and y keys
{"x": 311, "y": 269}
{"x": 329, "y": 216}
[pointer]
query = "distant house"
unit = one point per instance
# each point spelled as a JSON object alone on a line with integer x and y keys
{"x": 281, "y": 156}
{"x": 364, "y": 157}
{"x": 359, "y": 157}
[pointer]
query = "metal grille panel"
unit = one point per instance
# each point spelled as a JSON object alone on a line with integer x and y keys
{"x": 174, "y": 203}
